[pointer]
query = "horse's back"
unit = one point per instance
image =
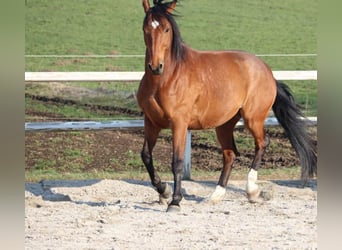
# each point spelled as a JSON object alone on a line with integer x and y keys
{"x": 232, "y": 69}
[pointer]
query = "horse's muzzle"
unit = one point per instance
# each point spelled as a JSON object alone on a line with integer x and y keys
{"x": 156, "y": 70}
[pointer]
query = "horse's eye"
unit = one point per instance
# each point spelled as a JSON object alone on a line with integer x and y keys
{"x": 167, "y": 30}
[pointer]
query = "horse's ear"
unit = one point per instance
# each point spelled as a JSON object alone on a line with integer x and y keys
{"x": 171, "y": 7}
{"x": 146, "y": 5}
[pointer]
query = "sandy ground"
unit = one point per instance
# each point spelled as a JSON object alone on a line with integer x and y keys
{"x": 112, "y": 214}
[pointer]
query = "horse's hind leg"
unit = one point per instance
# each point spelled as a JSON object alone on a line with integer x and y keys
{"x": 256, "y": 127}
{"x": 151, "y": 135}
{"x": 225, "y": 137}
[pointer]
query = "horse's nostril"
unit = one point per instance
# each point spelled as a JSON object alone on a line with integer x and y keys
{"x": 157, "y": 70}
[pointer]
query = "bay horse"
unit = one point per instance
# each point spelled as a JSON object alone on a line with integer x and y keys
{"x": 183, "y": 88}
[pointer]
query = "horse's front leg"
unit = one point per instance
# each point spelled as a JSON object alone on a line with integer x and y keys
{"x": 179, "y": 131}
{"x": 151, "y": 135}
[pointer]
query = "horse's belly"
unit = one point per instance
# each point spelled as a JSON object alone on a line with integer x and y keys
{"x": 213, "y": 117}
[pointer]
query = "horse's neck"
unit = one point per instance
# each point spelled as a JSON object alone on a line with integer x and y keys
{"x": 174, "y": 68}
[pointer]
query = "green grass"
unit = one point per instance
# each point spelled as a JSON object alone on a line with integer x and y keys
{"x": 105, "y": 94}
{"x": 63, "y": 111}
{"x": 261, "y": 27}
{"x": 82, "y": 28}
{"x": 305, "y": 93}
{"x": 70, "y": 27}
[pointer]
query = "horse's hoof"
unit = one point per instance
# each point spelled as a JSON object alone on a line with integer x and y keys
{"x": 254, "y": 197}
{"x": 173, "y": 209}
{"x": 217, "y": 196}
{"x": 163, "y": 200}
{"x": 259, "y": 195}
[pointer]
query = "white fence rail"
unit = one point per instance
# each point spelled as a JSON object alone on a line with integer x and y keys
{"x": 133, "y": 124}
{"x": 136, "y": 76}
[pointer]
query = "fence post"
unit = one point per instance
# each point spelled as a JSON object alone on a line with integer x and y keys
{"x": 187, "y": 157}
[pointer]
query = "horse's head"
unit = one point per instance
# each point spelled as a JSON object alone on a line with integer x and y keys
{"x": 160, "y": 32}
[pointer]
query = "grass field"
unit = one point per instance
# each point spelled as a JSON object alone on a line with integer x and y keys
{"x": 106, "y": 27}
{"x": 70, "y": 27}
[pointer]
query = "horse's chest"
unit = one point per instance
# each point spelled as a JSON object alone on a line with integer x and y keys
{"x": 162, "y": 104}
{"x": 156, "y": 112}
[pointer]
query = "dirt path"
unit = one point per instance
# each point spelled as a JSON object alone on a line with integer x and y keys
{"x": 111, "y": 214}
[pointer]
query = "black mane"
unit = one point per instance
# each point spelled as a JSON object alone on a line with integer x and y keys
{"x": 160, "y": 9}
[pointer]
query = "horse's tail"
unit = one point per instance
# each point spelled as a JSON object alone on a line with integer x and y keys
{"x": 292, "y": 120}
